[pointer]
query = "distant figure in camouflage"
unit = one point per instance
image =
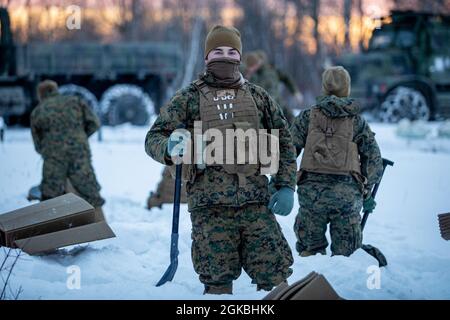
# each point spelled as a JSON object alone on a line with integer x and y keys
{"x": 165, "y": 191}
{"x": 2, "y": 129}
{"x": 340, "y": 164}
{"x": 233, "y": 222}
{"x": 60, "y": 126}
{"x": 259, "y": 71}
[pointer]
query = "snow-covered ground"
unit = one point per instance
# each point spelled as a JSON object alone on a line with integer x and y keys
{"x": 404, "y": 226}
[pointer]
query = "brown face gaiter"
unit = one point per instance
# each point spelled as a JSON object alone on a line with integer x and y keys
{"x": 223, "y": 72}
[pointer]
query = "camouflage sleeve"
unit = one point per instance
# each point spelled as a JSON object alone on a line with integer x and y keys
{"x": 90, "y": 119}
{"x": 299, "y": 131}
{"x": 171, "y": 116}
{"x": 287, "y": 81}
{"x": 35, "y": 132}
{"x": 369, "y": 153}
{"x": 285, "y": 177}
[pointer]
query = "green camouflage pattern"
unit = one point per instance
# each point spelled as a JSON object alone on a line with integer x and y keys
{"x": 213, "y": 186}
{"x": 336, "y": 202}
{"x": 334, "y": 199}
{"x": 270, "y": 79}
{"x": 225, "y": 240}
{"x": 60, "y": 127}
{"x": 232, "y": 228}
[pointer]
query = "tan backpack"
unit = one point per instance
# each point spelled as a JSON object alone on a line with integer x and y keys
{"x": 329, "y": 146}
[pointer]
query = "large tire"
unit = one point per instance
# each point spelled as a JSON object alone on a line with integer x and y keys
{"x": 82, "y": 92}
{"x": 404, "y": 103}
{"x": 124, "y": 103}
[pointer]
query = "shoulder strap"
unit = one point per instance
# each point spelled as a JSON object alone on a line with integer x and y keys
{"x": 199, "y": 83}
{"x": 267, "y": 115}
{"x": 314, "y": 120}
{"x": 202, "y": 87}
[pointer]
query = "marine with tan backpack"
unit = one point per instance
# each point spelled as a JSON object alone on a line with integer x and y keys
{"x": 341, "y": 163}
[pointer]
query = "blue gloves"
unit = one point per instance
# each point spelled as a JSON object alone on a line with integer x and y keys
{"x": 282, "y": 201}
{"x": 369, "y": 204}
{"x": 177, "y": 143}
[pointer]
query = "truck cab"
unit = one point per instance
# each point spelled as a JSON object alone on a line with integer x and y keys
{"x": 405, "y": 71}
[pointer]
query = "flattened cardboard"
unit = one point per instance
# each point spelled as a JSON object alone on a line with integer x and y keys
{"x": 298, "y": 286}
{"x": 444, "y": 225}
{"x": 56, "y": 214}
{"x": 276, "y": 293}
{"x": 313, "y": 287}
{"x": 51, "y": 224}
{"x": 318, "y": 289}
{"x": 42, "y": 243}
{"x": 444, "y": 215}
{"x": 55, "y": 208}
{"x": 280, "y": 292}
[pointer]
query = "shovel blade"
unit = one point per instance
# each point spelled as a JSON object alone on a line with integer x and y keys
{"x": 169, "y": 274}
{"x": 376, "y": 253}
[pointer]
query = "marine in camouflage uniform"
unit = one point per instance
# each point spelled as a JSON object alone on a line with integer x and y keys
{"x": 265, "y": 76}
{"x": 60, "y": 127}
{"x": 232, "y": 226}
{"x": 334, "y": 199}
{"x": 260, "y": 72}
{"x": 165, "y": 191}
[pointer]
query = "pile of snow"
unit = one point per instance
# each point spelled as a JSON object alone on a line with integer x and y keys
{"x": 444, "y": 129}
{"x": 420, "y": 135}
{"x": 404, "y": 227}
{"x": 119, "y": 90}
{"x": 413, "y": 129}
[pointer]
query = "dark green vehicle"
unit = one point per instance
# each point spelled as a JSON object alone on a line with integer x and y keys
{"x": 405, "y": 72}
{"x": 122, "y": 82}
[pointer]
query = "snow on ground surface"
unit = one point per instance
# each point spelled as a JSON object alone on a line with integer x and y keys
{"x": 404, "y": 226}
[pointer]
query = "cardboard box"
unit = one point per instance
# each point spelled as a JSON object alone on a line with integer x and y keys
{"x": 444, "y": 225}
{"x": 51, "y": 224}
{"x": 313, "y": 287}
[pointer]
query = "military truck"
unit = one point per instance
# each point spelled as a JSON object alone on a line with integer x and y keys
{"x": 405, "y": 71}
{"x": 123, "y": 82}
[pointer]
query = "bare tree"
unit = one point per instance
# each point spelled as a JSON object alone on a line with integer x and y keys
{"x": 131, "y": 12}
{"x": 256, "y": 25}
{"x": 347, "y": 16}
{"x": 315, "y": 11}
{"x": 360, "y": 6}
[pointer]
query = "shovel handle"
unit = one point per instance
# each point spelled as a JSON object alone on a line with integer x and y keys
{"x": 176, "y": 199}
{"x": 386, "y": 163}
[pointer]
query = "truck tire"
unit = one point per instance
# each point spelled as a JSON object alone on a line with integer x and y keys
{"x": 124, "y": 103}
{"x": 82, "y": 92}
{"x": 404, "y": 102}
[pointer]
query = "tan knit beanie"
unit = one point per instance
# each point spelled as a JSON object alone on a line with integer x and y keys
{"x": 252, "y": 59}
{"x": 46, "y": 88}
{"x": 336, "y": 81}
{"x": 220, "y": 36}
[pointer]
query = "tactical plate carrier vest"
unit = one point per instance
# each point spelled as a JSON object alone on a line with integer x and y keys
{"x": 329, "y": 146}
{"x": 234, "y": 109}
